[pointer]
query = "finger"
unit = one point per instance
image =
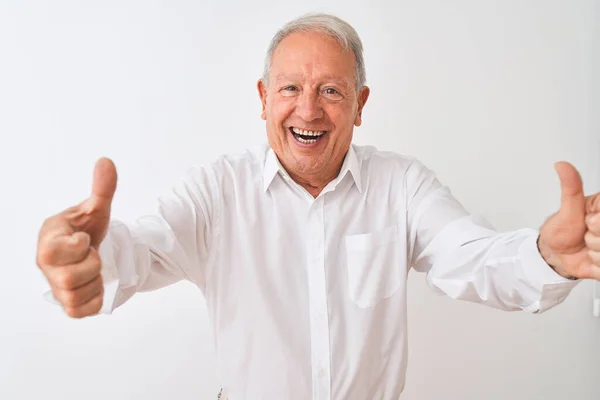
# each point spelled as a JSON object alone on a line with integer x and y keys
{"x": 55, "y": 226}
{"x": 104, "y": 184}
{"x": 78, "y": 297}
{"x": 592, "y": 241}
{"x": 595, "y": 272}
{"x": 51, "y": 228}
{"x": 64, "y": 249}
{"x": 592, "y": 221}
{"x": 592, "y": 203}
{"x": 594, "y": 256}
{"x": 590, "y": 271}
{"x": 90, "y": 308}
{"x": 573, "y": 201}
{"x": 72, "y": 276}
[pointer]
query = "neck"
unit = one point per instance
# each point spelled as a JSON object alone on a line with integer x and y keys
{"x": 315, "y": 184}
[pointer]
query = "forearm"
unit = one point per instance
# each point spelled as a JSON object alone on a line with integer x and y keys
{"x": 468, "y": 260}
{"x": 139, "y": 258}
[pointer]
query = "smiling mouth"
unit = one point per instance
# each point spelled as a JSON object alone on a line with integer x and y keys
{"x": 307, "y": 137}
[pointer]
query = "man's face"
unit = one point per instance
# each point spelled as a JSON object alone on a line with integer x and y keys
{"x": 311, "y": 105}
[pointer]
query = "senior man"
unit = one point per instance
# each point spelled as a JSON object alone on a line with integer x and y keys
{"x": 302, "y": 248}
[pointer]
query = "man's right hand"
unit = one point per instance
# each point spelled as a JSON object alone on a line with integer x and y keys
{"x": 68, "y": 243}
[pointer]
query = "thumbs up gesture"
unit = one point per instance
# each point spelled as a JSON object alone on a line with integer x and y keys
{"x": 569, "y": 240}
{"x": 67, "y": 251}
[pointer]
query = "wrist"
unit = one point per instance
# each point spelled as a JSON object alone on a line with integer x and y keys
{"x": 552, "y": 259}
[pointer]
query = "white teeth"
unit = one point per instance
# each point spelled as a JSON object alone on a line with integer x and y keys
{"x": 307, "y": 133}
{"x": 306, "y": 141}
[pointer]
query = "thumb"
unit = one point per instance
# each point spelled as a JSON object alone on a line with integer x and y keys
{"x": 104, "y": 183}
{"x": 572, "y": 202}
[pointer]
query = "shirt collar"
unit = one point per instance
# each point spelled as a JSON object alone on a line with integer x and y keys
{"x": 351, "y": 164}
{"x": 272, "y": 166}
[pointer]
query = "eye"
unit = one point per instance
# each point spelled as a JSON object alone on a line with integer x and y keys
{"x": 290, "y": 90}
{"x": 332, "y": 94}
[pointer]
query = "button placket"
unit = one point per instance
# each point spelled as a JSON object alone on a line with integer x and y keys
{"x": 320, "y": 350}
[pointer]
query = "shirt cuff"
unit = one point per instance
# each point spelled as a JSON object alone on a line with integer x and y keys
{"x": 553, "y": 287}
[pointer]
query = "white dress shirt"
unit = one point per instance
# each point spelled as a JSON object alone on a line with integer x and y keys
{"x": 307, "y": 296}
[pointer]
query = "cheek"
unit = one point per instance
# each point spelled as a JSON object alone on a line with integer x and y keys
{"x": 276, "y": 117}
{"x": 280, "y": 109}
{"x": 342, "y": 119}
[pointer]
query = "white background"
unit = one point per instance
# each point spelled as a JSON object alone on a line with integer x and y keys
{"x": 487, "y": 93}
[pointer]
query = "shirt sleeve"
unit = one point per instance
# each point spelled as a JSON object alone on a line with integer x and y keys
{"x": 465, "y": 258}
{"x": 158, "y": 250}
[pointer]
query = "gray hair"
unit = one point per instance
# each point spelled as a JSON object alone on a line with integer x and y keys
{"x": 327, "y": 24}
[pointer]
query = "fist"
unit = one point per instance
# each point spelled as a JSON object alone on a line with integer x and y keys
{"x": 68, "y": 243}
{"x": 569, "y": 240}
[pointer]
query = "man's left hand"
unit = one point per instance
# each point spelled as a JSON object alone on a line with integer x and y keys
{"x": 569, "y": 240}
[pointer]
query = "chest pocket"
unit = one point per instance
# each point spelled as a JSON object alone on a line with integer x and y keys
{"x": 375, "y": 262}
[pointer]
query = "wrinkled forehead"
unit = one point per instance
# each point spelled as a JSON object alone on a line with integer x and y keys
{"x": 312, "y": 56}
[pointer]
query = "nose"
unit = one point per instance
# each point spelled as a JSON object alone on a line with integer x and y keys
{"x": 308, "y": 107}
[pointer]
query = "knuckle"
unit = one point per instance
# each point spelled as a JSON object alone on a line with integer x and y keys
{"x": 97, "y": 268}
{"x": 65, "y": 280}
{"x": 45, "y": 253}
{"x": 591, "y": 239}
{"x": 97, "y": 304}
{"x": 94, "y": 257}
{"x": 98, "y": 286}
{"x": 70, "y": 299}
{"x": 46, "y": 226}
{"x": 73, "y": 312}
{"x": 587, "y": 237}
{"x": 79, "y": 246}
{"x": 94, "y": 263}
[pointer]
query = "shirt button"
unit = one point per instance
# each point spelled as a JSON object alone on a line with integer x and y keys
{"x": 321, "y": 372}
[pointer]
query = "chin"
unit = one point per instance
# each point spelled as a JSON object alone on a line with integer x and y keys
{"x": 306, "y": 165}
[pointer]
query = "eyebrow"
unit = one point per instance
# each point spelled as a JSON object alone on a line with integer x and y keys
{"x": 339, "y": 81}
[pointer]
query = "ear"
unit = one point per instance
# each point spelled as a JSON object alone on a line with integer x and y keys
{"x": 363, "y": 95}
{"x": 262, "y": 93}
